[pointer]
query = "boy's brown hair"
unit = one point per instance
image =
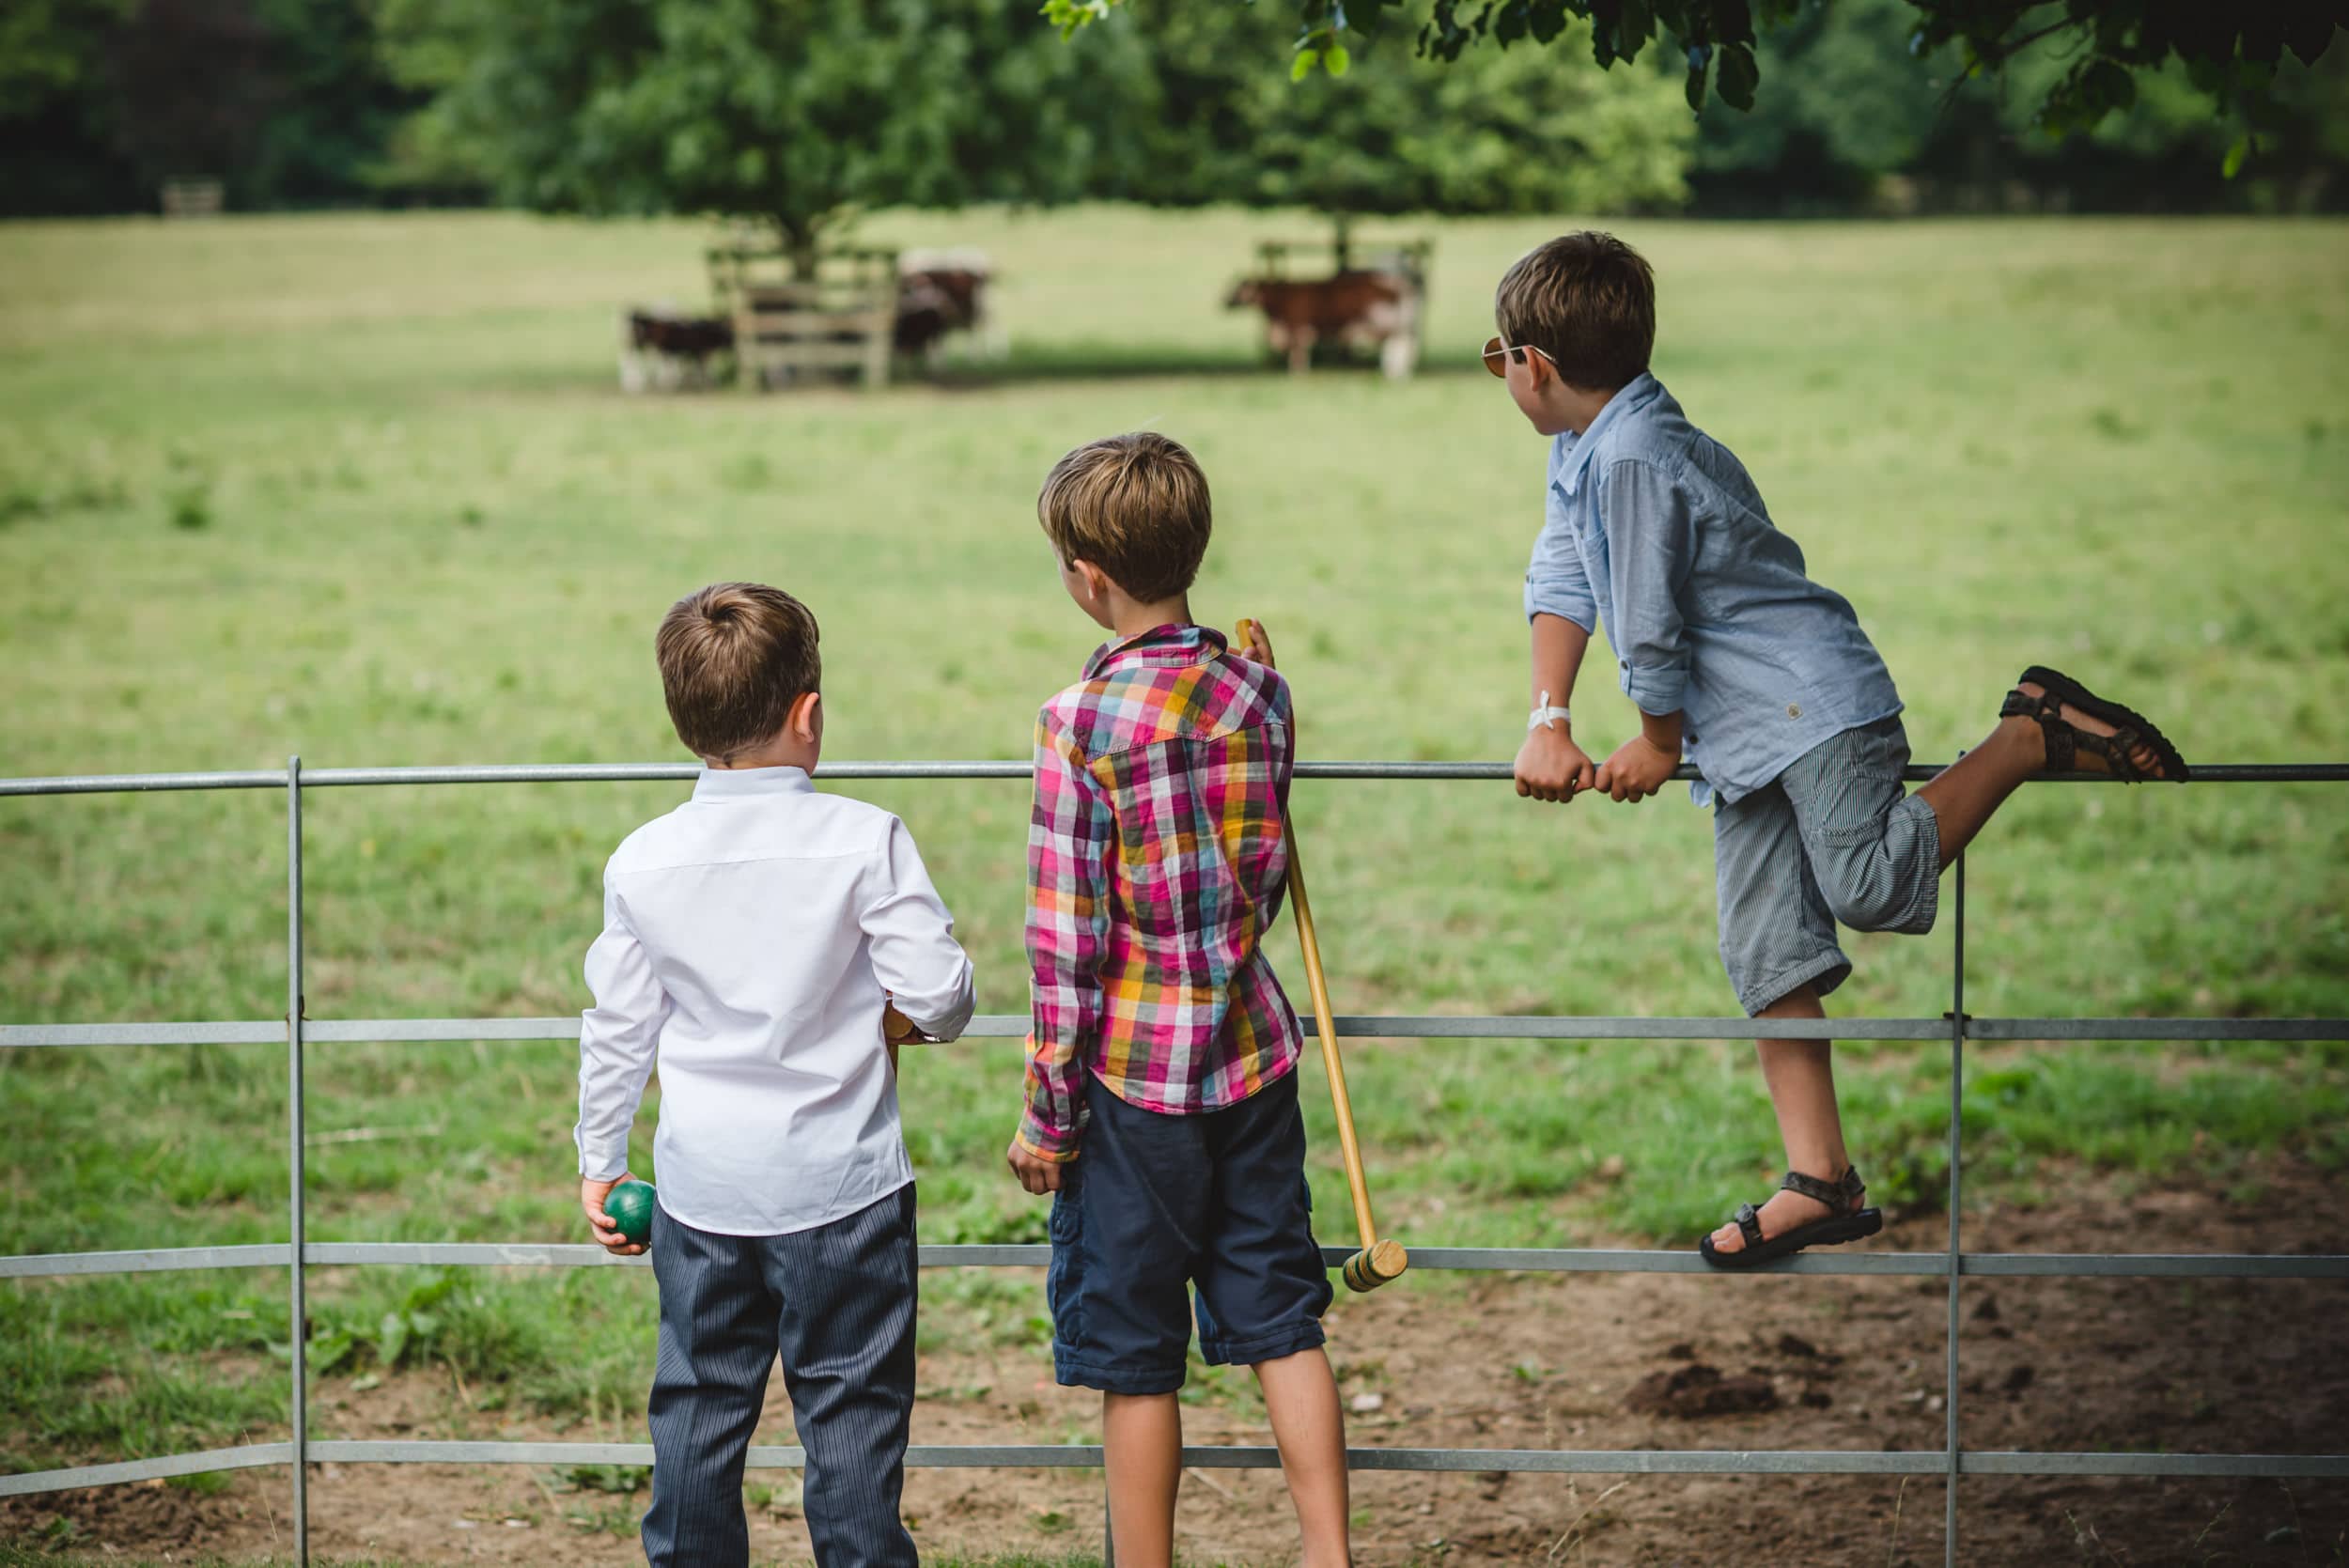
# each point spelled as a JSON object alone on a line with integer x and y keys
{"x": 734, "y": 657}
{"x": 1586, "y": 300}
{"x": 1135, "y": 506}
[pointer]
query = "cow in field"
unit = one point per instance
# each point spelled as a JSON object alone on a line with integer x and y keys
{"x": 1360, "y": 309}
{"x": 938, "y": 292}
{"x": 661, "y": 349}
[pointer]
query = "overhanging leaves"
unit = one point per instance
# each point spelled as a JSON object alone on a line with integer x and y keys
{"x": 2230, "y": 47}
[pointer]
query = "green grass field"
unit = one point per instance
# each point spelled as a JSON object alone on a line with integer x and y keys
{"x": 363, "y": 488}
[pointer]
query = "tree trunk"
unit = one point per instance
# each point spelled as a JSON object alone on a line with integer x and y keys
{"x": 798, "y": 236}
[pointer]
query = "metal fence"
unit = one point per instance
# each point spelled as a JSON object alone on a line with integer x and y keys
{"x": 1957, "y": 1026}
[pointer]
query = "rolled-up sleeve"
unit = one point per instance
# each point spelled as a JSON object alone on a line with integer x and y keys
{"x": 618, "y": 1038}
{"x": 912, "y": 940}
{"x": 1555, "y": 582}
{"x": 1651, "y": 543}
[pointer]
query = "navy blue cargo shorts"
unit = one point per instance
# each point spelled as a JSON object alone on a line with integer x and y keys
{"x": 1155, "y": 1202}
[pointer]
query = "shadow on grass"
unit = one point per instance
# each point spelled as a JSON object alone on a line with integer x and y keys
{"x": 1107, "y": 362}
{"x": 1054, "y": 366}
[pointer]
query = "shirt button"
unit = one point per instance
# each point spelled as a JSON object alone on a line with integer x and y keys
{"x": 1794, "y": 711}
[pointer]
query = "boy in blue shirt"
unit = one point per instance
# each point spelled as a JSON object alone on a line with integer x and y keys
{"x": 1760, "y": 677}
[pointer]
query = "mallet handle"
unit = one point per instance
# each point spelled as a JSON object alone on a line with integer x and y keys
{"x": 1357, "y": 1183}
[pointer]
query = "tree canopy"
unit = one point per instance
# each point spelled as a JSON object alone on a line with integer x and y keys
{"x": 285, "y": 101}
{"x": 2230, "y": 50}
{"x": 1401, "y": 134}
{"x": 797, "y": 114}
{"x": 788, "y": 113}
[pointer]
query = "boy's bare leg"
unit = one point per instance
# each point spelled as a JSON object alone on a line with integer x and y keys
{"x": 1801, "y": 1075}
{"x": 1141, "y": 1439}
{"x": 1963, "y": 793}
{"x": 1300, "y": 1395}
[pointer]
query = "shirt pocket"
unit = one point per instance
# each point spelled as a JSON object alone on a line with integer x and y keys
{"x": 1590, "y": 538}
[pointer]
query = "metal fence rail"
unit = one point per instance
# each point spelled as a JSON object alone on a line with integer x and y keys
{"x": 299, "y": 1254}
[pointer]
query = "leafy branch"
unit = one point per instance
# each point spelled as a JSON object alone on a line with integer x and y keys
{"x": 2230, "y": 51}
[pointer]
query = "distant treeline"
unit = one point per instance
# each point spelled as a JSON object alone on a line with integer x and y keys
{"x": 308, "y": 103}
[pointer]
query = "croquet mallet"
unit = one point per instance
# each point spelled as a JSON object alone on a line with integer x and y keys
{"x": 1378, "y": 1260}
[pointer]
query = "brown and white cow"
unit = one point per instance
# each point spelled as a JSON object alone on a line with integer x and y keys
{"x": 1363, "y": 309}
{"x": 939, "y": 292}
{"x": 662, "y": 350}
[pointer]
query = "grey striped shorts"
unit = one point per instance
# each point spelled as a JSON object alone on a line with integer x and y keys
{"x": 1833, "y": 838}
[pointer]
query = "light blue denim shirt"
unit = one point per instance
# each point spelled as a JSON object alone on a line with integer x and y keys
{"x": 1707, "y": 603}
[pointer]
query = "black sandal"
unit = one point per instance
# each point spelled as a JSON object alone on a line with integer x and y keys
{"x": 2065, "y": 741}
{"x": 1847, "y": 1221}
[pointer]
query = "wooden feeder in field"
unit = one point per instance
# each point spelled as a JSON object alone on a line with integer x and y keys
{"x": 790, "y": 327}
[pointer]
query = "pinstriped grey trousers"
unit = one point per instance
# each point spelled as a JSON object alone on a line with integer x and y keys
{"x": 838, "y": 1303}
{"x": 1832, "y": 838}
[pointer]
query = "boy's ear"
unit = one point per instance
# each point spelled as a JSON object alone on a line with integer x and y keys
{"x": 1097, "y": 582}
{"x": 803, "y": 719}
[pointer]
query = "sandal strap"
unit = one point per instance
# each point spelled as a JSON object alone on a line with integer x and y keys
{"x": 1813, "y": 1188}
{"x": 2115, "y": 748}
{"x": 2046, "y": 711}
{"x": 1749, "y": 1224}
{"x": 2065, "y": 741}
{"x": 1841, "y": 1196}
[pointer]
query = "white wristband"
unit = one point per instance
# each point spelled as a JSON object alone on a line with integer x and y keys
{"x": 1544, "y": 715}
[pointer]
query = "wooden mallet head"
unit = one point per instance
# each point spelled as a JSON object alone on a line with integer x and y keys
{"x": 1376, "y": 1265}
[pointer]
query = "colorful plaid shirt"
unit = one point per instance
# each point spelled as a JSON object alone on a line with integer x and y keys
{"x": 1155, "y": 859}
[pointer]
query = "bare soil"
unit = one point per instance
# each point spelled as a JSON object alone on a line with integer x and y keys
{"x": 1530, "y": 1361}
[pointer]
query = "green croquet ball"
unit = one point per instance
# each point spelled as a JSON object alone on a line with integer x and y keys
{"x": 629, "y": 1207}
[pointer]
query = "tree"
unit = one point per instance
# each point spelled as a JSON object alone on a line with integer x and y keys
{"x": 1502, "y": 134}
{"x": 2229, "y": 48}
{"x": 333, "y": 107}
{"x": 285, "y": 101}
{"x": 788, "y": 112}
{"x": 59, "y": 151}
{"x": 1848, "y": 105}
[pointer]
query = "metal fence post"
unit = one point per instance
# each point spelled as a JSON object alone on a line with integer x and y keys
{"x": 299, "y": 1333}
{"x": 1957, "y": 1116}
{"x": 1109, "y": 1532}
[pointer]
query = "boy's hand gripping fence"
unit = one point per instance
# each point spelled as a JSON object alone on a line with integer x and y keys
{"x": 1378, "y": 1260}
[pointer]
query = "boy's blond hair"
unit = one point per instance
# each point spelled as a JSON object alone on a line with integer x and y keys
{"x": 1587, "y": 301}
{"x": 734, "y": 657}
{"x": 1135, "y": 506}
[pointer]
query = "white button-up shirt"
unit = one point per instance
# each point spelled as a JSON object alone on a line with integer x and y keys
{"x": 751, "y": 939}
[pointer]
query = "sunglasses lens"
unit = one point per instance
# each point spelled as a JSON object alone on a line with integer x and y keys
{"x": 1494, "y": 350}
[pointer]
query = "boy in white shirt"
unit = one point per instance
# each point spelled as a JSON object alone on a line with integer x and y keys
{"x": 769, "y": 946}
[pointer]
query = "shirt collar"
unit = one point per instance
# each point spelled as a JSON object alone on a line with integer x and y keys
{"x": 1173, "y": 645}
{"x": 751, "y": 783}
{"x": 1575, "y": 452}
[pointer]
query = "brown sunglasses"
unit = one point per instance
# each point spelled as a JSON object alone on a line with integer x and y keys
{"x": 1495, "y": 349}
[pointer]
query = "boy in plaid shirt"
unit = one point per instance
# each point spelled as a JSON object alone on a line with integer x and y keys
{"x": 1165, "y": 1051}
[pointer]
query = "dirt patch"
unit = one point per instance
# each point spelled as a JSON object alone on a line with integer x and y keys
{"x": 1697, "y": 1390}
{"x": 1666, "y": 1361}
